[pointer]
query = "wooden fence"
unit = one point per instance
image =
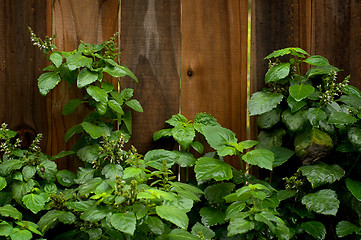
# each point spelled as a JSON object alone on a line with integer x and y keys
{"x": 190, "y": 55}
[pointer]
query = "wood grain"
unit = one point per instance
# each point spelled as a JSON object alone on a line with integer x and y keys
{"x": 150, "y": 45}
{"x": 214, "y": 61}
{"x": 21, "y": 105}
{"x": 92, "y": 21}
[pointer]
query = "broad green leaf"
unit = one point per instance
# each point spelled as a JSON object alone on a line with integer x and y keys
{"x": 86, "y": 77}
{"x": 269, "y": 119}
{"x": 184, "y": 135}
{"x": 215, "y": 193}
{"x": 354, "y": 187}
{"x": 81, "y": 205}
{"x": 10, "y": 165}
{"x": 317, "y": 60}
{"x": 127, "y": 119}
{"x": 94, "y": 214}
{"x": 115, "y": 71}
{"x": 186, "y": 190}
{"x": 5, "y": 229}
{"x": 299, "y": 92}
{"x": 202, "y": 231}
{"x": 71, "y": 106}
{"x": 234, "y": 209}
{"x": 3, "y": 183}
{"x": 262, "y": 158}
{"x": 65, "y": 177}
{"x": 115, "y": 106}
{"x": 284, "y": 51}
{"x": 108, "y": 87}
{"x": 180, "y": 234}
{"x": 67, "y": 75}
{"x": 239, "y": 226}
{"x": 185, "y": 159}
{"x": 18, "y": 234}
{"x": 47, "y": 81}
{"x": 354, "y": 136}
{"x": 277, "y": 72}
{"x": 270, "y": 138}
{"x": 77, "y": 60}
{"x": 33, "y": 227}
{"x": 197, "y": 146}
{"x": 184, "y": 204}
{"x": 323, "y": 202}
{"x": 174, "y": 215}
{"x": 84, "y": 175}
{"x": 322, "y": 173}
{"x": 34, "y": 202}
{"x": 94, "y": 233}
{"x": 295, "y": 105}
{"x": 352, "y": 91}
{"x": 281, "y": 155}
{"x": 155, "y": 224}
{"x": 285, "y": 194}
{"x": 47, "y": 169}
{"x": 10, "y": 211}
{"x": 72, "y": 131}
{"x": 153, "y": 193}
{"x": 316, "y": 229}
{"x": 321, "y": 70}
{"x": 56, "y": 58}
{"x": 124, "y": 222}
{"x": 352, "y": 101}
{"x": 219, "y": 137}
{"x": 93, "y": 130}
{"x": 111, "y": 171}
{"x": 135, "y": 105}
{"x": 130, "y": 172}
{"x": 162, "y": 133}
{"x": 177, "y": 120}
{"x": 315, "y": 115}
{"x": 262, "y": 102}
{"x": 98, "y": 94}
{"x": 20, "y": 189}
{"x": 90, "y": 186}
{"x": 126, "y": 94}
{"x": 50, "y": 188}
{"x": 207, "y": 168}
{"x": 212, "y": 216}
{"x": 89, "y": 153}
{"x": 341, "y": 118}
{"x": 156, "y": 158}
{"x": 204, "y": 119}
{"x": 345, "y": 228}
{"x": 62, "y": 154}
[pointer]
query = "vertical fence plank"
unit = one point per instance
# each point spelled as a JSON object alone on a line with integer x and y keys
{"x": 21, "y": 105}
{"x": 150, "y": 45}
{"x": 92, "y": 21}
{"x": 214, "y": 61}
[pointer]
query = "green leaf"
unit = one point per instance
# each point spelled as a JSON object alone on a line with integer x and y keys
{"x": 317, "y": 60}
{"x": 354, "y": 136}
{"x": 212, "y": 216}
{"x": 86, "y": 77}
{"x": 177, "y": 120}
{"x": 89, "y": 153}
{"x": 293, "y": 51}
{"x": 207, "y": 168}
{"x": 130, "y": 172}
{"x": 352, "y": 101}
{"x": 180, "y": 234}
{"x": 354, "y": 187}
{"x": 345, "y": 228}
{"x": 115, "y": 106}
{"x": 262, "y": 158}
{"x": 135, "y": 105}
{"x": 281, "y": 155}
{"x": 239, "y": 226}
{"x": 202, "y": 231}
{"x": 48, "y": 220}
{"x": 72, "y": 131}
{"x": 341, "y": 118}
{"x": 29, "y": 226}
{"x": 77, "y": 60}
{"x": 184, "y": 135}
{"x": 269, "y": 119}
{"x": 5, "y": 229}
{"x": 155, "y": 158}
{"x": 93, "y": 130}
{"x": 101, "y": 107}
{"x": 197, "y": 146}
{"x": 295, "y": 121}
{"x": 10, "y": 165}
{"x": 34, "y": 202}
{"x": 56, "y": 58}
{"x": 81, "y": 205}
{"x": 322, "y": 173}
{"x": 155, "y": 225}
{"x": 71, "y": 106}
{"x": 20, "y": 189}
{"x": 295, "y": 105}
{"x": 352, "y": 91}
{"x": 94, "y": 214}
{"x": 125, "y": 94}
{"x": 321, "y": 70}
{"x": 174, "y": 215}
{"x": 67, "y": 75}
{"x": 48, "y": 81}
{"x": 316, "y": 229}
{"x": 323, "y": 202}
{"x": 10, "y": 211}
{"x": 84, "y": 175}
{"x": 277, "y": 72}
{"x": 50, "y": 188}
{"x": 204, "y": 119}
{"x": 124, "y": 222}
{"x": 262, "y": 102}
{"x": 315, "y": 115}
{"x": 98, "y": 94}
{"x": 285, "y": 194}
{"x": 65, "y": 177}
{"x": 18, "y": 234}
{"x": 3, "y": 183}
{"x": 219, "y": 137}
{"x": 185, "y": 159}
{"x": 299, "y": 92}
{"x": 111, "y": 171}
{"x": 162, "y": 133}
{"x": 215, "y": 193}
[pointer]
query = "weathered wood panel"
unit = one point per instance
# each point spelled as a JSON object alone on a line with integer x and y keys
{"x": 92, "y": 21}
{"x": 214, "y": 61}
{"x": 21, "y": 105}
{"x": 150, "y": 45}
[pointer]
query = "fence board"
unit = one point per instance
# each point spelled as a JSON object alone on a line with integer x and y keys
{"x": 92, "y": 21}
{"x": 150, "y": 45}
{"x": 21, "y": 105}
{"x": 214, "y": 61}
